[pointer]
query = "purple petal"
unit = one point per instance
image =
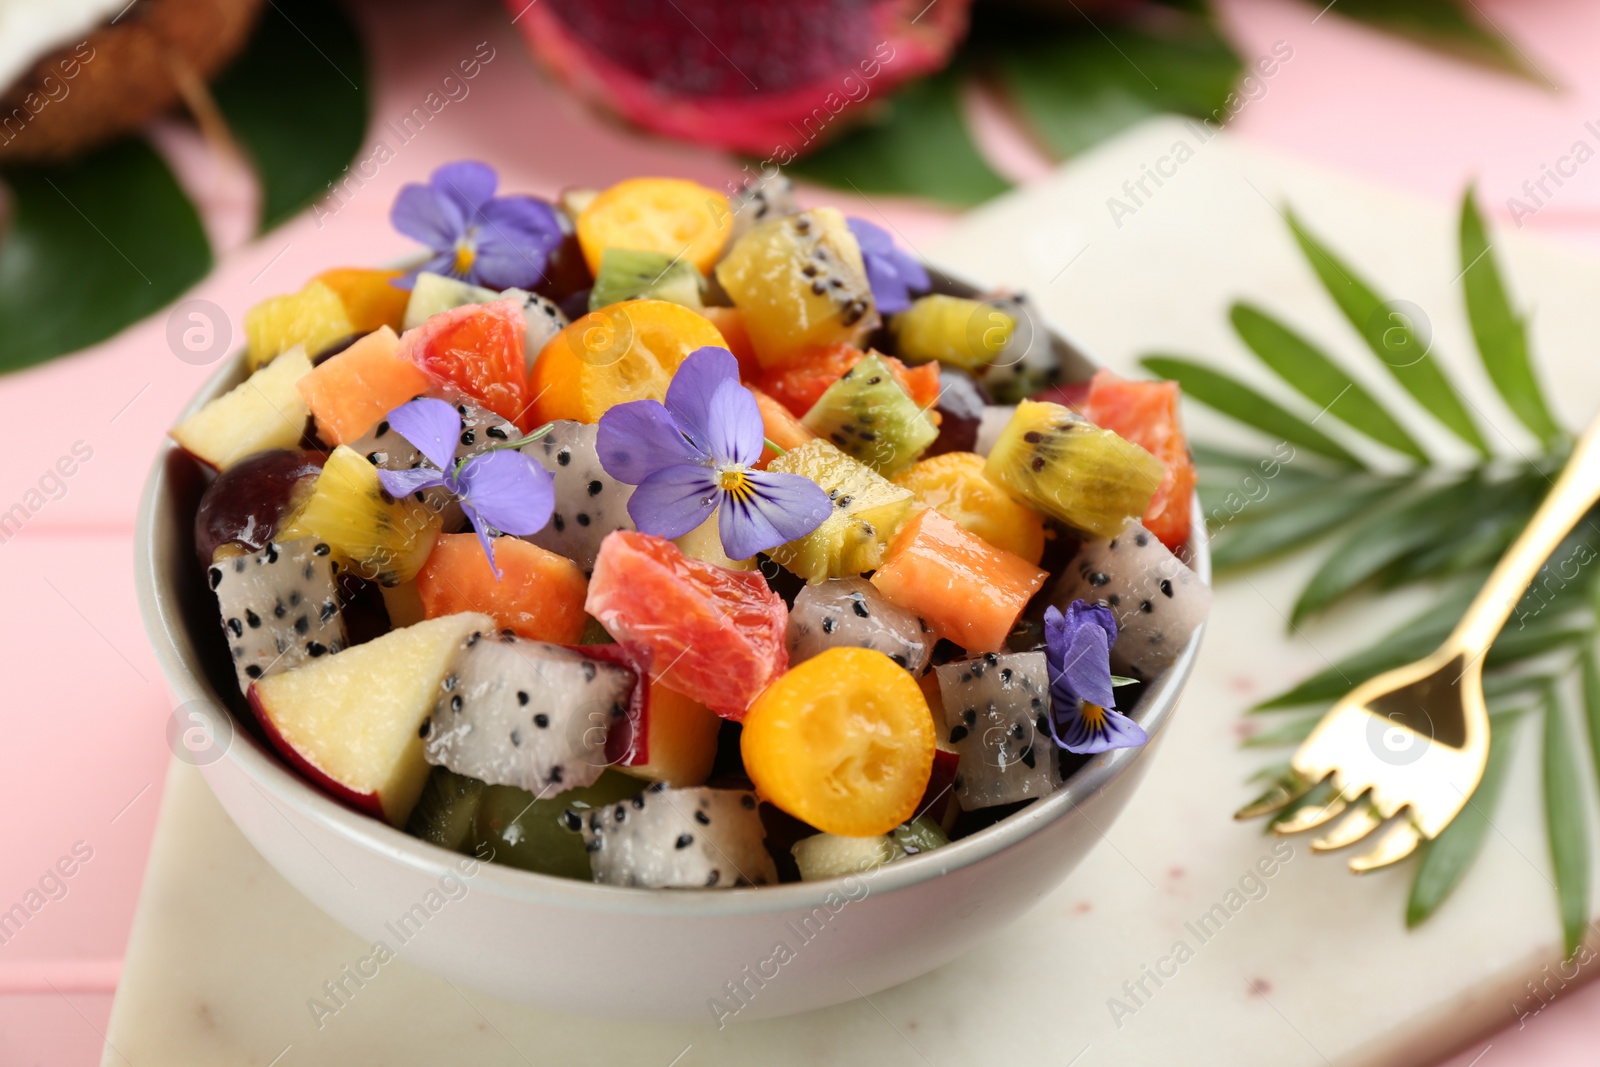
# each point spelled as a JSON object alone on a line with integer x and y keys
{"x": 1112, "y": 730}
{"x": 870, "y": 236}
{"x": 509, "y": 491}
{"x": 432, "y": 426}
{"x": 735, "y": 431}
{"x": 485, "y": 536}
{"x": 891, "y": 272}
{"x": 639, "y": 438}
{"x": 401, "y": 484}
{"x": 514, "y": 235}
{"x": 1084, "y": 667}
{"x": 674, "y": 500}
{"x": 467, "y": 184}
{"x": 443, "y": 263}
{"x": 693, "y": 385}
{"x": 422, "y": 214}
{"x": 776, "y": 509}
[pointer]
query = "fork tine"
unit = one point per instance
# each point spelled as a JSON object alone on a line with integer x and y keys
{"x": 1277, "y": 797}
{"x": 1358, "y": 824}
{"x": 1311, "y": 816}
{"x": 1395, "y": 846}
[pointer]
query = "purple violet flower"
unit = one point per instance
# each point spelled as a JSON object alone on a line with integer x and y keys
{"x": 696, "y": 453}
{"x": 501, "y": 491}
{"x": 499, "y": 242}
{"x": 1078, "y": 651}
{"x": 894, "y": 275}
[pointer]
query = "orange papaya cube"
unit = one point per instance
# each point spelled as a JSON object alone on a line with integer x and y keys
{"x": 967, "y": 590}
{"x": 539, "y": 595}
{"x": 350, "y": 392}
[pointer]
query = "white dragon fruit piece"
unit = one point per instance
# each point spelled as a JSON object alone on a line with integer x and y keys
{"x": 280, "y": 607}
{"x": 851, "y": 611}
{"x": 526, "y": 713}
{"x": 544, "y": 320}
{"x": 665, "y": 838}
{"x": 995, "y": 709}
{"x": 589, "y": 502}
{"x": 1158, "y": 601}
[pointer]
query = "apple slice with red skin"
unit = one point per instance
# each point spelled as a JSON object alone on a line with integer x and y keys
{"x": 351, "y": 722}
{"x": 665, "y": 736}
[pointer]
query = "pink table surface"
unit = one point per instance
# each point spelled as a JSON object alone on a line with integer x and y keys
{"x": 85, "y": 726}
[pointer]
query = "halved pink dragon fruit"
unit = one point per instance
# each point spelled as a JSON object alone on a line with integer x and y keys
{"x": 768, "y": 78}
{"x": 678, "y": 839}
{"x": 280, "y": 607}
{"x": 526, "y": 714}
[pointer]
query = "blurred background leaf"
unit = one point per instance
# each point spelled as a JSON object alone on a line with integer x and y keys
{"x": 91, "y": 247}
{"x": 300, "y": 131}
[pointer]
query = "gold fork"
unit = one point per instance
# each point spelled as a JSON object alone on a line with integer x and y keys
{"x": 1415, "y": 739}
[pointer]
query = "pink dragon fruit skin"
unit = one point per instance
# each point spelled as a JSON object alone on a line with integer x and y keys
{"x": 769, "y": 78}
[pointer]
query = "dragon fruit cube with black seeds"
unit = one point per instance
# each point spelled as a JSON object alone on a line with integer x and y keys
{"x": 589, "y": 502}
{"x": 996, "y": 709}
{"x": 279, "y": 606}
{"x": 677, "y": 839}
{"x": 526, "y": 714}
{"x": 851, "y": 611}
{"x": 1158, "y": 601}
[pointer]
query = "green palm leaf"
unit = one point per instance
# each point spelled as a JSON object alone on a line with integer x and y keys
{"x": 1446, "y": 858}
{"x": 1317, "y": 378}
{"x": 1312, "y": 513}
{"x": 1501, "y": 336}
{"x": 1232, "y": 397}
{"x": 1388, "y": 538}
{"x": 1392, "y": 337}
{"x": 1565, "y": 820}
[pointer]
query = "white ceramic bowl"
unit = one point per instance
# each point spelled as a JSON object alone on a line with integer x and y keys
{"x": 691, "y": 955}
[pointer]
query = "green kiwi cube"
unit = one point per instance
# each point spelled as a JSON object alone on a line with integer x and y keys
{"x": 1069, "y": 468}
{"x": 954, "y": 330}
{"x": 869, "y": 416}
{"x": 446, "y": 809}
{"x": 867, "y": 512}
{"x": 629, "y": 274}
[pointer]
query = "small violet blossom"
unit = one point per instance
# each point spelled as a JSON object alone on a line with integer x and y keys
{"x": 696, "y": 454}
{"x": 501, "y": 491}
{"x": 1078, "y": 651}
{"x": 893, "y": 274}
{"x": 499, "y": 242}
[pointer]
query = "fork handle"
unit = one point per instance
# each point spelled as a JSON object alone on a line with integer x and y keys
{"x": 1574, "y": 492}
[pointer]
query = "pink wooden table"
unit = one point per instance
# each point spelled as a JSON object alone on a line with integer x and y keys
{"x": 85, "y": 726}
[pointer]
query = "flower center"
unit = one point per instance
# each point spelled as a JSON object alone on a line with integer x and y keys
{"x": 1093, "y": 715}
{"x": 735, "y": 483}
{"x": 466, "y": 255}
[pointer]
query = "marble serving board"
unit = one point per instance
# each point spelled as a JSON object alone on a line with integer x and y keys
{"x": 1185, "y": 937}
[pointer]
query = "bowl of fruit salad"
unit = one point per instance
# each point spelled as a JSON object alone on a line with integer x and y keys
{"x": 650, "y": 583}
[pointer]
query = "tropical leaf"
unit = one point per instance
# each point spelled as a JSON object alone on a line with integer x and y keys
{"x": 1077, "y": 82}
{"x": 916, "y": 145}
{"x": 1315, "y": 512}
{"x": 296, "y": 99}
{"x": 1444, "y": 26}
{"x": 1446, "y": 858}
{"x": 1411, "y": 641}
{"x": 1483, "y": 536}
{"x": 1501, "y": 336}
{"x": 1566, "y": 823}
{"x": 1314, "y": 376}
{"x": 1290, "y": 732}
{"x": 1389, "y": 331}
{"x": 1233, "y": 398}
{"x": 1387, "y": 538}
{"x": 91, "y": 247}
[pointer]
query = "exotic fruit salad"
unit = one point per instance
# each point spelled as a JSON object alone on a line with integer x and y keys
{"x": 674, "y": 540}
